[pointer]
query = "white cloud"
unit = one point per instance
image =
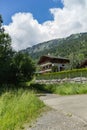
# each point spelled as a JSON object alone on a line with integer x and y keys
{"x": 26, "y": 31}
{"x": 74, "y": 3}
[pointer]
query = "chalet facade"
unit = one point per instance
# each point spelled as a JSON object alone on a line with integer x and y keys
{"x": 52, "y": 64}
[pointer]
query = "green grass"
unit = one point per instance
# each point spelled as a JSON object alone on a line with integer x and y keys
{"x": 66, "y": 88}
{"x": 18, "y": 107}
{"x": 70, "y": 89}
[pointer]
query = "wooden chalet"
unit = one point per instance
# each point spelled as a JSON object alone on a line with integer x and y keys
{"x": 52, "y": 64}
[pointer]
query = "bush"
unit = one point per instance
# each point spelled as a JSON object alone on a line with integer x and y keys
{"x": 63, "y": 74}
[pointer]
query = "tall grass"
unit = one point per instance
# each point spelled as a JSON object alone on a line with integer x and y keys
{"x": 71, "y": 89}
{"x": 67, "y": 88}
{"x": 20, "y": 105}
{"x": 17, "y": 107}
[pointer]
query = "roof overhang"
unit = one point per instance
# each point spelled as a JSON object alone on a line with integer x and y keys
{"x": 44, "y": 59}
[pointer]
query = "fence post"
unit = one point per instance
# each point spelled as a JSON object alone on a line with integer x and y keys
{"x": 81, "y": 77}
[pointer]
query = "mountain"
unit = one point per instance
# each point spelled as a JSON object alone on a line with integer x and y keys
{"x": 75, "y": 44}
{"x": 42, "y": 47}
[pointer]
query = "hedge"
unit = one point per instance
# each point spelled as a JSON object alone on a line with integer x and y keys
{"x": 63, "y": 74}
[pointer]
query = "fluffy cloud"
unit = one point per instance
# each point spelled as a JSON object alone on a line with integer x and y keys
{"x": 27, "y": 31}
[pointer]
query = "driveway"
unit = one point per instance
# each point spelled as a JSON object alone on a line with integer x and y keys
{"x": 73, "y": 105}
{"x": 67, "y": 113}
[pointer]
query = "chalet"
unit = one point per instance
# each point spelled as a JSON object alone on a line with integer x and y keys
{"x": 52, "y": 64}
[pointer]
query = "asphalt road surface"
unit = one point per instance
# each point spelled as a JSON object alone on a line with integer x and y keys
{"x": 75, "y": 104}
{"x": 68, "y": 113}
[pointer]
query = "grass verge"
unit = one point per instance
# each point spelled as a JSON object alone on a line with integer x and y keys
{"x": 62, "y": 89}
{"x": 67, "y": 88}
{"x": 17, "y": 107}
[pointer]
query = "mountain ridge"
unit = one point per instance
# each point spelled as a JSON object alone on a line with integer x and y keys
{"x": 60, "y": 47}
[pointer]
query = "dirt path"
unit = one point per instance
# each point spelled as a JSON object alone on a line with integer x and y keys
{"x": 68, "y": 113}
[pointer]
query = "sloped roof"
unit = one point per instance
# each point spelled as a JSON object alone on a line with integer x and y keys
{"x": 52, "y": 59}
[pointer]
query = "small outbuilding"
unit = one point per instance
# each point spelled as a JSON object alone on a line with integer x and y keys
{"x": 52, "y": 64}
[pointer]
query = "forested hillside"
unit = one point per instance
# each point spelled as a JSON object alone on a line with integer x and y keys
{"x": 73, "y": 47}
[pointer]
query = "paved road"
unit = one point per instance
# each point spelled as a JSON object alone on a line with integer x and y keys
{"x": 68, "y": 113}
{"x": 73, "y": 105}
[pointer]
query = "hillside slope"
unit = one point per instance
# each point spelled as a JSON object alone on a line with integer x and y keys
{"x": 75, "y": 44}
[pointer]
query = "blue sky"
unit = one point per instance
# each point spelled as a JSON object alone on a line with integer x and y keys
{"x": 39, "y": 8}
{"x": 30, "y": 22}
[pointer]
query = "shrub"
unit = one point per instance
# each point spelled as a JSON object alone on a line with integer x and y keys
{"x": 63, "y": 74}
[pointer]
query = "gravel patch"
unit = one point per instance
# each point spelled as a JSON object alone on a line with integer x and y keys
{"x": 57, "y": 120}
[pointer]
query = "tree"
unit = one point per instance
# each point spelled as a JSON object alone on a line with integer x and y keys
{"x": 14, "y": 66}
{"x": 76, "y": 59}
{"x": 6, "y": 53}
{"x": 22, "y": 68}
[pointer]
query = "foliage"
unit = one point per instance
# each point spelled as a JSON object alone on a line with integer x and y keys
{"x": 60, "y": 88}
{"x": 67, "y": 88}
{"x": 15, "y": 67}
{"x": 6, "y": 53}
{"x": 54, "y": 68}
{"x": 18, "y": 107}
{"x": 22, "y": 68}
{"x": 39, "y": 88}
{"x": 63, "y": 74}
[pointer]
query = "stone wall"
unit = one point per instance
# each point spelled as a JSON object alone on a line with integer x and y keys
{"x": 71, "y": 80}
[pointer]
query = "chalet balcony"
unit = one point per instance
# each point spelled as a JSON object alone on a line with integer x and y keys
{"x": 45, "y": 71}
